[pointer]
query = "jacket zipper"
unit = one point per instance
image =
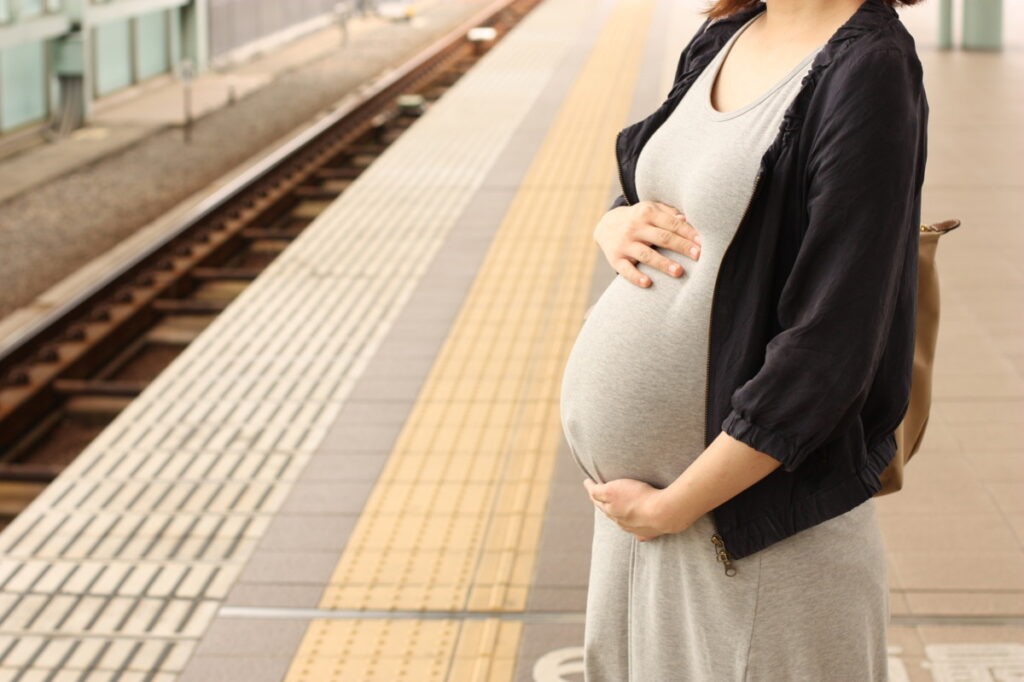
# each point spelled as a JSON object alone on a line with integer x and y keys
{"x": 618, "y": 164}
{"x": 720, "y": 552}
{"x": 723, "y": 555}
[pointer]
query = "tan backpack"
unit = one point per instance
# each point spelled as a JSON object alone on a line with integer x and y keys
{"x": 910, "y": 432}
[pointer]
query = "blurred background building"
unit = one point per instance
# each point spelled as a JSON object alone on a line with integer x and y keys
{"x": 59, "y": 57}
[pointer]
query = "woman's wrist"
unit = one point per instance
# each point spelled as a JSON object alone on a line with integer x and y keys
{"x": 672, "y": 511}
{"x": 726, "y": 468}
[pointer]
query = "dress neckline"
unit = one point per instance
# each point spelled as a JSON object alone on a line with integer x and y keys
{"x": 716, "y": 66}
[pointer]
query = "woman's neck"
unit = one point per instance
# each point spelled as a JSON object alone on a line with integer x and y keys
{"x": 803, "y": 21}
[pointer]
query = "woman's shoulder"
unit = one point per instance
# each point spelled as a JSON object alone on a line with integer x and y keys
{"x": 873, "y": 53}
{"x": 872, "y": 81}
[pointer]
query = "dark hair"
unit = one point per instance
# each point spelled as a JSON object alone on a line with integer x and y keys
{"x": 722, "y": 8}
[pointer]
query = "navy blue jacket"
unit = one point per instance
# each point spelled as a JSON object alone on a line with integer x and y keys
{"x": 811, "y": 342}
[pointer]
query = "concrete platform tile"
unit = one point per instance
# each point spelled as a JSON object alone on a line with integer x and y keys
{"x": 289, "y": 567}
{"x": 252, "y": 637}
{"x": 271, "y": 595}
{"x": 308, "y": 532}
{"x": 327, "y": 497}
{"x": 946, "y": 570}
{"x": 231, "y": 668}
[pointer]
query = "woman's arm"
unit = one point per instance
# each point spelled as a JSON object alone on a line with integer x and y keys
{"x": 726, "y": 468}
{"x": 836, "y": 307}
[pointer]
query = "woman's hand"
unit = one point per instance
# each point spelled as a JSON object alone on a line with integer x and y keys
{"x": 626, "y": 235}
{"x": 637, "y": 507}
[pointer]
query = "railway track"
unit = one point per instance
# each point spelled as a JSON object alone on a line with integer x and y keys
{"x": 66, "y": 377}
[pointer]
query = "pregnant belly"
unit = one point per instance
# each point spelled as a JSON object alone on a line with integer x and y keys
{"x": 633, "y": 389}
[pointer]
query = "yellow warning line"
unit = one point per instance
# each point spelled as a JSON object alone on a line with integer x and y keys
{"x": 455, "y": 518}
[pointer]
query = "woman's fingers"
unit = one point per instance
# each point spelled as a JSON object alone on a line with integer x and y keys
{"x": 645, "y": 254}
{"x": 632, "y": 530}
{"x": 666, "y": 238}
{"x": 592, "y": 491}
{"x": 665, "y": 208}
{"x": 625, "y": 267}
{"x": 679, "y": 235}
{"x": 661, "y": 226}
{"x": 674, "y": 220}
{"x": 634, "y": 236}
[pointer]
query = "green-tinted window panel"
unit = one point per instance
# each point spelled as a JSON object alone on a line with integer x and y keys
{"x": 22, "y": 84}
{"x": 113, "y": 56}
{"x": 30, "y": 8}
{"x": 152, "y": 44}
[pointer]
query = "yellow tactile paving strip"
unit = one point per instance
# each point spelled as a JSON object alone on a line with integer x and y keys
{"x": 430, "y": 650}
{"x": 455, "y": 518}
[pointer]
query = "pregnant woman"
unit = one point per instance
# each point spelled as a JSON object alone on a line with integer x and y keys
{"x": 731, "y": 458}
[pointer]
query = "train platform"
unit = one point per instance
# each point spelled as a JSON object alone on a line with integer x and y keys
{"x": 357, "y": 471}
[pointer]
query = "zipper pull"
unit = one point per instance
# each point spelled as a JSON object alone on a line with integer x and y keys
{"x": 723, "y": 555}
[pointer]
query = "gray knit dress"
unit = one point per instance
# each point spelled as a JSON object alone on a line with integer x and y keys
{"x": 813, "y": 606}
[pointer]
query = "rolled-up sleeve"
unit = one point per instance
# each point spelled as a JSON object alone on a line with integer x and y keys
{"x": 836, "y": 306}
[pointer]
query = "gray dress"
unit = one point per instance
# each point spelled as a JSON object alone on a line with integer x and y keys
{"x": 813, "y": 606}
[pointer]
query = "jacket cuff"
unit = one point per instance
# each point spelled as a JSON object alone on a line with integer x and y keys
{"x": 770, "y": 442}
